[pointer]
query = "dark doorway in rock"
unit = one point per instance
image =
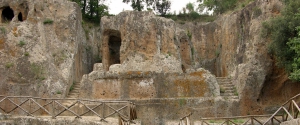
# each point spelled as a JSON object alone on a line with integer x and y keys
{"x": 111, "y": 48}
{"x": 114, "y": 44}
{"x": 7, "y": 14}
{"x": 20, "y": 17}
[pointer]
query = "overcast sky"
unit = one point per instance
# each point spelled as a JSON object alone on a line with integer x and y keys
{"x": 117, "y": 6}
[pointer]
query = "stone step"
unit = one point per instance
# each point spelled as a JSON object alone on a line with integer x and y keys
{"x": 227, "y": 86}
{"x": 227, "y": 94}
{"x": 227, "y": 82}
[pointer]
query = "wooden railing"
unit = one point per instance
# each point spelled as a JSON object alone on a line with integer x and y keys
{"x": 54, "y": 107}
{"x": 288, "y": 111}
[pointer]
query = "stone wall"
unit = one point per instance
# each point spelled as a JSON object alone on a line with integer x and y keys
{"x": 148, "y": 85}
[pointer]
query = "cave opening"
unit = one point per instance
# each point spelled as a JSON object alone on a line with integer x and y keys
{"x": 114, "y": 49}
{"x": 7, "y": 14}
{"x": 20, "y": 17}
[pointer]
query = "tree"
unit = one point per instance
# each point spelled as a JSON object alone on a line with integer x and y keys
{"x": 284, "y": 37}
{"x": 162, "y": 6}
{"x": 218, "y": 6}
{"x": 138, "y": 4}
{"x": 294, "y": 45}
{"x": 92, "y": 10}
{"x": 190, "y": 7}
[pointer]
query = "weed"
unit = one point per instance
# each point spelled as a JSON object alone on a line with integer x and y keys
{"x": 3, "y": 30}
{"x": 58, "y": 92}
{"x": 235, "y": 91}
{"x": 21, "y": 43}
{"x": 238, "y": 121}
{"x": 189, "y": 34}
{"x": 193, "y": 51}
{"x": 26, "y": 54}
{"x": 38, "y": 71}
{"x": 8, "y": 65}
{"x": 217, "y": 53}
{"x": 182, "y": 101}
{"x": 72, "y": 87}
{"x": 48, "y": 21}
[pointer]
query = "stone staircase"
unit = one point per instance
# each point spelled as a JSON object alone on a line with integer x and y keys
{"x": 227, "y": 89}
{"x": 74, "y": 93}
{"x": 75, "y": 90}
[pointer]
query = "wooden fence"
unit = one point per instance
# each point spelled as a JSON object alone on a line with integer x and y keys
{"x": 288, "y": 111}
{"x": 35, "y": 106}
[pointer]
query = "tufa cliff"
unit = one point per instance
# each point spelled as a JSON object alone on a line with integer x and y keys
{"x": 42, "y": 49}
{"x": 159, "y": 64}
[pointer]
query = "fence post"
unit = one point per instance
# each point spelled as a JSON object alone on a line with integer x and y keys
{"x": 53, "y": 111}
{"x": 129, "y": 110}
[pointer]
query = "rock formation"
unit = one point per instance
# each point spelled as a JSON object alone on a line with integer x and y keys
{"x": 161, "y": 65}
{"x": 42, "y": 48}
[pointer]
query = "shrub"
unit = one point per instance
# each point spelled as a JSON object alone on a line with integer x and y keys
{"x": 48, "y": 21}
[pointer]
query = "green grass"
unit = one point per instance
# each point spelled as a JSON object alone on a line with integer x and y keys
{"x": 235, "y": 92}
{"x": 3, "y": 30}
{"x": 48, "y": 21}
{"x": 72, "y": 87}
{"x": 21, "y": 43}
{"x": 26, "y": 54}
{"x": 9, "y": 65}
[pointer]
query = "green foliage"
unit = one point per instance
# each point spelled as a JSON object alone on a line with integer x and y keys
{"x": 256, "y": 12}
{"x": 281, "y": 30}
{"x": 48, "y": 21}
{"x": 92, "y": 10}
{"x": 235, "y": 91}
{"x": 189, "y": 34}
{"x": 162, "y": 6}
{"x": 26, "y": 54}
{"x": 193, "y": 16}
{"x": 182, "y": 102}
{"x": 38, "y": 71}
{"x": 21, "y": 43}
{"x": 190, "y": 7}
{"x": 72, "y": 87}
{"x": 9, "y": 65}
{"x": 58, "y": 92}
{"x": 3, "y": 30}
{"x": 294, "y": 45}
{"x": 218, "y": 6}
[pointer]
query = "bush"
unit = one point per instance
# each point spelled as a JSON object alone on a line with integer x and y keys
{"x": 281, "y": 30}
{"x": 48, "y": 21}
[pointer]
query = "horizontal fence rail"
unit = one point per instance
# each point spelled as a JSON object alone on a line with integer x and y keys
{"x": 288, "y": 111}
{"x": 54, "y": 107}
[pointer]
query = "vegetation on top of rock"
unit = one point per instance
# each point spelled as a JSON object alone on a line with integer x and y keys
{"x": 92, "y": 10}
{"x": 284, "y": 36}
{"x": 221, "y": 6}
{"x": 48, "y": 21}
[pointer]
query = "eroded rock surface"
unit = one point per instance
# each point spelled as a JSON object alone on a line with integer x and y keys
{"x": 40, "y": 45}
